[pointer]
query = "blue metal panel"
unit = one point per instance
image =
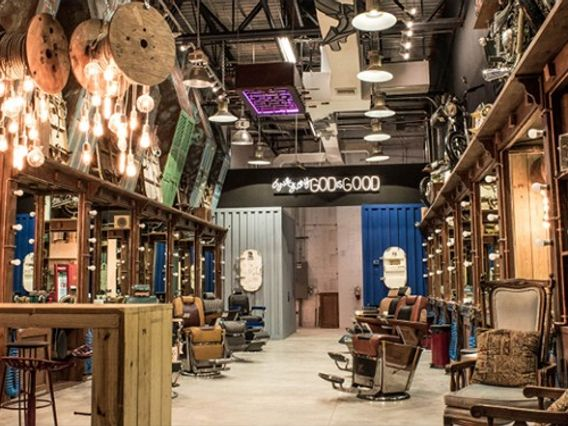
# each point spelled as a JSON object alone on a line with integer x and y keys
{"x": 209, "y": 269}
{"x": 386, "y": 225}
{"x": 23, "y": 248}
{"x": 159, "y": 267}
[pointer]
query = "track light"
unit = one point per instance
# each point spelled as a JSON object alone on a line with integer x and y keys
{"x": 377, "y": 134}
{"x": 259, "y": 159}
{"x": 223, "y": 115}
{"x": 373, "y": 18}
{"x": 377, "y": 155}
{"x": 375, "y": 72}
{"x": 379, "y": 108}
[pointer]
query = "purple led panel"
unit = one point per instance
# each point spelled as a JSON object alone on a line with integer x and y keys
{"x": 272, "y": 101}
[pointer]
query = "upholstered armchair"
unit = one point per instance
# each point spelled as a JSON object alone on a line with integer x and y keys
{"x": 517, "y": 305}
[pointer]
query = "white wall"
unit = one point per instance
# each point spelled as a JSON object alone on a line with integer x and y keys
{"x": 330, "y": 241}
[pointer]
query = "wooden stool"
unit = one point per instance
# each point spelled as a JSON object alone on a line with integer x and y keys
{"x": 27, "y": 401}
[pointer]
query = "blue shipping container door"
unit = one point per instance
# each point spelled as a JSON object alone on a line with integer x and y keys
{"x": 387, "y": 225}
{"x": 209, "y": 270}
{"x": 22, "y": 249}
{"x": 159, "y": 267}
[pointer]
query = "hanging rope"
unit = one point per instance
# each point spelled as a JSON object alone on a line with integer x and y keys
{"x": 12, "y": 56}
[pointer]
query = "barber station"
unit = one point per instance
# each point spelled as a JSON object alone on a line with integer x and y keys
{"x": 283, "y": 212}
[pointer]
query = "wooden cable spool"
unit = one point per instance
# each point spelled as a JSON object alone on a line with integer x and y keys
{"x": 42, "y": 51}
{"x": 137, "y": 39}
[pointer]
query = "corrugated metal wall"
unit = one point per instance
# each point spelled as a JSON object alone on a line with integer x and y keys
{"x": 386, "y": 225}
{"x": 270, "y": 232}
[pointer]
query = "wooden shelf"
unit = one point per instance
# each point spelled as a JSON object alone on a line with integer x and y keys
{"x": 548, "y": 41}
{"x": 485, "y": 14}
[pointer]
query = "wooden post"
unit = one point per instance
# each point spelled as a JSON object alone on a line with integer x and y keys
{"x": 219, "y": 260}
{"x": 169, "y": 259}
{"x": 83, "y": 255}
{"x": 198, "y": 267}
{"x": 476, "y": 242}
{"x": 39, "y": 246}
{"x": 97, "y": 258}
{"x": 8, "y": 218}
{"x": 134, "y": 244}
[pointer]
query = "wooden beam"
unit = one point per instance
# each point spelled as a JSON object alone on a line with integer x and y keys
{"x": 39, "y": 237}
{"x": 83, "y": 255}
{"x": 134, "y": 245}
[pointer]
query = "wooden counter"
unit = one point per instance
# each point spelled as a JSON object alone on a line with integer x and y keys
{"x": 132, "y": 360}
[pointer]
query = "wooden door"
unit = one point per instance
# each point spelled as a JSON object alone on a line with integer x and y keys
{"x": 329, "y": 310}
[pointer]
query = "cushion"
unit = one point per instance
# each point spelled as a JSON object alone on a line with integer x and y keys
{"x": 234, "y": 327}
{"x": 507, "y": 358}
{"x": 368, "y": 344}
{"x": 479, "y": 394}
{"x": 206, "y": 334}
{"x": 207, "y": 352}
{"x": 560, "y": 405}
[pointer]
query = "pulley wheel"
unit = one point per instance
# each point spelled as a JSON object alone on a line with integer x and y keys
{"x": 47, "y": 53}
{"x": 142, "y": 44}
{"x": 84, "y": 37}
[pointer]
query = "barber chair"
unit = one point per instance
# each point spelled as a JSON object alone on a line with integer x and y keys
{"x": 384, "y": 364}
{"x": 518, "y": 305}
{"x": 377, "y": 319}
{"x": 205, "y": 348}
{"x": 213, "y": 307}
{"x": 255, "y": 335}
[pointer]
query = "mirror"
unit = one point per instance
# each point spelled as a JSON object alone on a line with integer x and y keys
{"x": 466, "y": 255}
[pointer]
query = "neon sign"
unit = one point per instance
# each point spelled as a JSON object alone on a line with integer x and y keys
{"x": 326, "y": 184}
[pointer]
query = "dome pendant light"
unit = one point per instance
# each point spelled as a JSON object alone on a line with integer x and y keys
{"x": 375, "y": 72}
{"x": 259, "y": 159}
{"x": 197, "y": 76}
{"x": 242, "y": 135}
{"x": 378, "y": 108}
{"x": 377, "y": 135}
{"x": 377, "y": 155}
{"x": 223, "y": 115}
{"x": 373, "y": 18}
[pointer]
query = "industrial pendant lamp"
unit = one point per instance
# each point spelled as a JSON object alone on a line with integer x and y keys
{"x": 377, "y": 134}
{"x": 373, "y": 18}
{"x": 377, "y": 155}
{"x": 378, "y": 108}
{"x": 375, "y": 73}
{"x": 242, "y": 135}
{"x": 223, "y": 115}
{"x": 259, "y": 159}
{"x": 198, "y": 77}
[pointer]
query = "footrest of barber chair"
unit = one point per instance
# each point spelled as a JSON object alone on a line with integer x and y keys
{"x": 261, "y": 335}
{"x": 222, "y": 361}
{"x": 256, "y": 345}
{"x": 332, "y": 378}
{"x": 338, "y": 357}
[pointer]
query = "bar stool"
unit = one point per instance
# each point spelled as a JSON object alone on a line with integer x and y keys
{"x": 27, "y": 400}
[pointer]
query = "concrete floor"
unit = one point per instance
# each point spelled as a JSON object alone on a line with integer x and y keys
{"x": 278, "y": 387}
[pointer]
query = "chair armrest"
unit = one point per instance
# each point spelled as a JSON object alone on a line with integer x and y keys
{"x": 547, "y": 375}
{"x": 518, "y": 414}
{"x": 258, "y": 308}
{"x": 460, "y": 373}
{"x": 542, "y": 392}
{"x": 417, "y": 325}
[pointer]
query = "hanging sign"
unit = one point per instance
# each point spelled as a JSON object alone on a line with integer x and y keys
{"x": 326, "y": 184}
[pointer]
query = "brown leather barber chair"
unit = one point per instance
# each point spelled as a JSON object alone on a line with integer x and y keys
{"x": 384, "y": 364}
{"x": 377, "y": 320}
{"x": 205, "y": 348}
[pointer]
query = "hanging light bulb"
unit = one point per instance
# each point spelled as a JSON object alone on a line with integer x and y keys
{"x": 122, "y": 162}
{"x": 29, "y": 119}
{"x": 133, "y": 120}
{"x": 379, "y": 108}
{"x": 145, "y": 102}
{"x": 130, "y": 165}
{"x": 112, "y": 88}
{"x": 377, "y": 134}
{"x": 13, "y": 127}
{"x": 86, "y": 154}
{"x": 98, "y": 129}
{"x": 115, "y": 119}
{"x": 36, "y": 157}
{"x": 223, "y": 115}
{"x": 3, "y": 142}
{"x": 145, "y": 138}
{"x": 259, "y": 159}
{"x": 92, "y": 69}
{"x": 33, "y": 133}
{"x": 107, "y": 107}
{"x": 43, "y": 109}
{"x": 405, "y": 55}
{"x": 377, "y": 155}
{"x": 122, "y": 144}
{"x": 84, "y": 123}
{"x": 375, "y": 72}
{"x": 407, "y": 44}
{"x": 28, "y": 85}
{"x": 19, "y": 155}
{"x": 12, "y": 106}
{"x": 96, "y": 100}
{"x": 373, "y": 19}
{"x": 109, "y": 73}
{"x": 242, "y": 136}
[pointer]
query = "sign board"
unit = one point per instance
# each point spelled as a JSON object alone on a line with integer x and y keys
{"x": 326, "y": 184}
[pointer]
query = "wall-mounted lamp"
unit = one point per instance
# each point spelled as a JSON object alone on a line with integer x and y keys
{"x": 465, "y": 204}
{"x": 424, "y": 244}
{"x": 430, "y": 238}
{"x": 466, "y": 234}
{"x": 17, "y": 227}
{"x": 93, "y": 213}
{"x": 92, "y": 268}
{"x": 492, "y": 217}
{"x": 32, "y": 214}
{"x": 437, "y": 231}
{"x": 31, "y": 241}
{"x": 536, "y": 133}
{"x": 451, "y": 268}
{"x": 92, "y": 240}
{"x": 424, "y": 259}
{"x": 16, "y": 262}
{"x": 142, "y": 225}
{"x": 438, "y": 251}
{"x": 494, "y": 256}
{"x": 141, "y": 248}
{"x": 538, "y": 187}
{"x": 18, "y": 192}
{"x": 439, "y": 272}
{"x": 490, "y": 179}
{"x": 430, "y": 256}
{"x": 450, "y": 220}
{"x": 425, "y": 276}
{"x": 467, "y": 263}
{"x": 450, "y": 242}
{"x": 544, "y": 243}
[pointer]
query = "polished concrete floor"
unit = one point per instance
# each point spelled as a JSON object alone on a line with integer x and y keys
{"x": 278, "y": 387}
